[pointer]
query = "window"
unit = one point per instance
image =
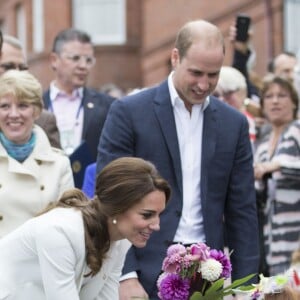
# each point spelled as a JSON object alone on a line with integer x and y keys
{"x": 291, "y": 26}
{"x": 21, "y": 25}
{"x": 38, "y": 25}
{"x": 104, "y": 20}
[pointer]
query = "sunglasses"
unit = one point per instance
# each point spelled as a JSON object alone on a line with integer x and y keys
{"x": 13, "y": 66}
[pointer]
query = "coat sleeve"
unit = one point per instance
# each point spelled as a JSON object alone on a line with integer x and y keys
{"x": 57, "y": 261}
{"x": 240, "y": 210}
{"x": 117, "y": 138}
{"x": 289, "y": 152}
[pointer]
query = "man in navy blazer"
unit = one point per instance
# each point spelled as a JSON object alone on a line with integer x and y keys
{"x": 80, "y": 112}
{"x": 201, "y": 146}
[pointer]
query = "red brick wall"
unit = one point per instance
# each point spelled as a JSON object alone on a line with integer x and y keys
{"x": 151, "y": 31}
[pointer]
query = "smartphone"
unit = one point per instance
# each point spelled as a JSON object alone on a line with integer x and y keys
{"x": 242, "y": 26}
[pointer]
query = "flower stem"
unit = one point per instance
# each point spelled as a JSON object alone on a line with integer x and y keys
{"x": 204, "y": 287}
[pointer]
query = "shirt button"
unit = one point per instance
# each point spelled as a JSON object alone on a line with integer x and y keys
{"x": 1, "y": 218}
{"x": 42, "y": 187}
{"x": 39, "y": 162}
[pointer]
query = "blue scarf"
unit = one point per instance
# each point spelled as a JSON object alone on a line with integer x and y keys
{"x": 18, "y": 152}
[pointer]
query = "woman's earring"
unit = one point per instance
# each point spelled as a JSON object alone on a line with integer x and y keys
{"x": 114, "y": 221}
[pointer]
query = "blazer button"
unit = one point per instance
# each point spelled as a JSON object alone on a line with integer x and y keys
{"x": 1, "y": 217}
{"x": 39, "y": 162}
{"x": 42, "y": 187}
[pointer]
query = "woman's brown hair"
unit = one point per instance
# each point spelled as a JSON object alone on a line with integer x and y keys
{"x": 284, "y": 84}
{"x": 122, "y": 184}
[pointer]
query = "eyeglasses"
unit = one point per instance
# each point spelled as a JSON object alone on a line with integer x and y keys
{"x": 76, "y": 58}
{"x": 13, "y": 66}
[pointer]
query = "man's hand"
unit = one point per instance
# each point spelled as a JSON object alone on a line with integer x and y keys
{"x": 240, "y": 46}
{"x": 132, "y": 289}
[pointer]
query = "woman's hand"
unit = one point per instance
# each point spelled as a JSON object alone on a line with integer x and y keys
{"x": 260, "y": 169}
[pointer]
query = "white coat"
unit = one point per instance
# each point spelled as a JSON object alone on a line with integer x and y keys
{"x": 45, "y": 259}
{"x": 27, "y": 188}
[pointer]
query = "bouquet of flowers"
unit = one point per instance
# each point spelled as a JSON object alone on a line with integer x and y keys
{"x": 196, "y": 273}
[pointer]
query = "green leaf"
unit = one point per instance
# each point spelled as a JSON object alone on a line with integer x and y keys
{"x": 239, "y": 282}
{"x": 216, "y": 292}
{"x": 246, "y": 288}
{"x": 196, "y": 296}
{"x": 212, "y": 296}
{"x": 217, "y": 285}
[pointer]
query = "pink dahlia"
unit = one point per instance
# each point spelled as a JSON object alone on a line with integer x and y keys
{"x": 201, "y": 250}
{"x": 173, "y": 287}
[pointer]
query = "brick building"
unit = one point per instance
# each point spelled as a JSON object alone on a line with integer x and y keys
{"x": 133, "y": 38}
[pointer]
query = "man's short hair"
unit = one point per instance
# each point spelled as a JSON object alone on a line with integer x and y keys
{"x": 69, "y": 35}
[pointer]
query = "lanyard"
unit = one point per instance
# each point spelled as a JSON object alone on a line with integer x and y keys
{"x": 50, "y": 108}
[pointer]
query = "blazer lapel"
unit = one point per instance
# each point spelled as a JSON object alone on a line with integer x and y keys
{"x": 165, "y": 116}
{"x": 46, "y": 99}
{"x": 88, "y": 102}
{"x": 209, "y": 140}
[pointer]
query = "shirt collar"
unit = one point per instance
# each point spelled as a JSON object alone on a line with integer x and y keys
{"x": 175, "y": 97}
{"x": 55, "y": 91}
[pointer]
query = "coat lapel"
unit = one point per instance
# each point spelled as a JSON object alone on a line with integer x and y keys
{"x": 165, "y": 116}
{"x": 209, "y": 141}
{"x": 88, "y": 102}
{"x": 46, "y": 99}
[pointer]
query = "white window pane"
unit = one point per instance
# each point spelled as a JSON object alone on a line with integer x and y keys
{"x": 291, "y": 25}
{"x": 21, "y": 25}
{"x": 104, "y": 20}
{"x": 38, "y": 25}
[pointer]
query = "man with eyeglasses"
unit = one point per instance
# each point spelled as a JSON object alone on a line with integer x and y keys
{"x": 13, "y": 57}
{"x": 80, "y": 111}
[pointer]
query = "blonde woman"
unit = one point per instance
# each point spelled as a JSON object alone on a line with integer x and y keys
{"x": 32, "y": 173}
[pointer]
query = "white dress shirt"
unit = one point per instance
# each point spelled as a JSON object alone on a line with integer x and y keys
{"x": 68, "y": 111}
{"x": 189, "y": 127}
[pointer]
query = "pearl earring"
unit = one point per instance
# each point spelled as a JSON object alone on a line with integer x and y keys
{"x": 114, "y": 221}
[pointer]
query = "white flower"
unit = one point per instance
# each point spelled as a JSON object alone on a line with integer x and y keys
{"x": 211, "y": 269}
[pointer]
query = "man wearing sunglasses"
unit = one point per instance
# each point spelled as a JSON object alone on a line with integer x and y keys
{"x": 13, "y": 57}
{"x": 80, "y": 111}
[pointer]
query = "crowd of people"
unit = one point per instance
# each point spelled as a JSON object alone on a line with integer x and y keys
{"x": 211, "y": 154}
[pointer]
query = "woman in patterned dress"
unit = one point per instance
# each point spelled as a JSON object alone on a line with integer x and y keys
{"x": 277, "y": 170}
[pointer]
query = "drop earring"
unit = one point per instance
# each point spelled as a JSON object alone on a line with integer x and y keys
{"x": 114, "y": 221}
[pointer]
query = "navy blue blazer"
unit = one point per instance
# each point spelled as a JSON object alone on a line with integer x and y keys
{"x": 143, "y": 125}
{"x": 95, "y": 109}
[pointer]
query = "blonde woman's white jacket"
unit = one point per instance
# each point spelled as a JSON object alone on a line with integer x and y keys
{"x": 27, "y": 188}
{"x": 45, "y": 259}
